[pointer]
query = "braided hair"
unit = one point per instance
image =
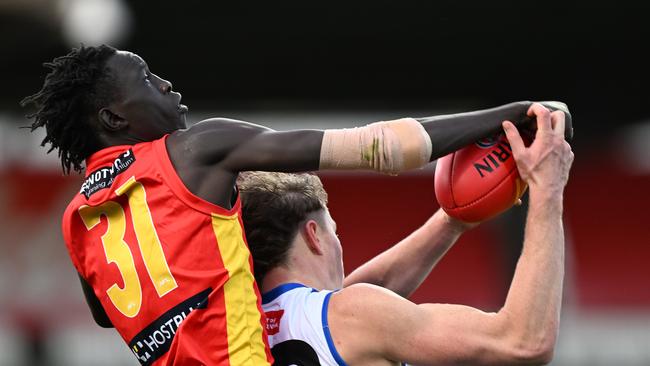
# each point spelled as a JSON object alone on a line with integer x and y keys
{"x": 77, "y": 86}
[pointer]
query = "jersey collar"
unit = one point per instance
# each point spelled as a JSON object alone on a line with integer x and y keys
{"x": 269, "y": 296}
{"x": 104, "y": 157}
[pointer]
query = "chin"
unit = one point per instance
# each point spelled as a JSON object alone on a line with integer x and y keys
{"x": 177, "y": 122}
{"x": 182, "y": 122}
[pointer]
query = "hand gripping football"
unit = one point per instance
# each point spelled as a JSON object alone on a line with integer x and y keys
{"x": 478, "y": 181}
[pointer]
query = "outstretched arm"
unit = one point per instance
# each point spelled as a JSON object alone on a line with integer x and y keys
{"x": 403, "y": 267}
{"x": 451, "y": 132}
{"x": 386, "y": 326}
{"x": 209, "y": 155}
{"x": 239, "y": 146}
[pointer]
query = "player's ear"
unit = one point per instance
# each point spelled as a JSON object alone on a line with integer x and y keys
{"x": 111, "y": 121}
{"x": 311, "y": 231}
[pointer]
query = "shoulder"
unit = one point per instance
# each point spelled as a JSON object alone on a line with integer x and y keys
{"x": 212, "y": 139}
{"x": 363, "y": 318}
{"x": 211, "y": 126}
{"x": 364, "y": 295}
{"x": 369, "y": 306}
{"x": 354, "y": 308}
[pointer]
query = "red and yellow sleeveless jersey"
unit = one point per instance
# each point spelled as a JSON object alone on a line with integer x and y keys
{"x": 172, "y": 271}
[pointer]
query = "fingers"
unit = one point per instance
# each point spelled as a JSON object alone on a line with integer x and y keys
{"x": 558, "y": 122}
{"x": 516, "y": 143}
{"x": 542, "y": 115}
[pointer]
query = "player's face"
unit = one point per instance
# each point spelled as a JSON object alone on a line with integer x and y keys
{"x": 334, "y": 250}
{"x": 143, "y": 99}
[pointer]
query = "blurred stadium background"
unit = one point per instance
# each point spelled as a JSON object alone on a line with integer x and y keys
{"x": 295, "y": 64}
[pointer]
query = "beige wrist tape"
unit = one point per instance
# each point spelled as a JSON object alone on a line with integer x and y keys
{"x": 387, "y": 147}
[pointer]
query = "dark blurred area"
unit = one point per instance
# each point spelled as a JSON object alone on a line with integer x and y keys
{"x": 298, "y": 64}
{"x": 368, "y": 53}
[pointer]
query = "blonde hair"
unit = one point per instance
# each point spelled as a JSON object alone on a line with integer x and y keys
{"x": 273, "y": 207}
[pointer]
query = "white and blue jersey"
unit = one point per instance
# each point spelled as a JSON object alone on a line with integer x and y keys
{"x": 297, "y": 326}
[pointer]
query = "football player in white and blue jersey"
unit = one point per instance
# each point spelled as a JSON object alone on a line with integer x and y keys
{"x": 315, "y": 316}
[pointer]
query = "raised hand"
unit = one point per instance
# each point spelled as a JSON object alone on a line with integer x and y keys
{"x": 545, "y": 164}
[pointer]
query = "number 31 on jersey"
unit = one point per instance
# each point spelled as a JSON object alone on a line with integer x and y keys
{"x": 128, "y": 300}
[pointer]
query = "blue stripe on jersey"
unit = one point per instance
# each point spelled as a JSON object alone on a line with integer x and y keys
{"x": 267, "y": 297}
{"x": 328, "y": 336}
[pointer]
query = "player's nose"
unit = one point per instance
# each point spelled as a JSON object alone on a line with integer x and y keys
{"x": 166, "y": 86}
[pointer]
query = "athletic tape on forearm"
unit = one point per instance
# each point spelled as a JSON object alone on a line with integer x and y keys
{"x": 387, "y": 147}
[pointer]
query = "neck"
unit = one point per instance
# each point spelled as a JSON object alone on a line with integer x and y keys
{"x": 302, "y": 266}
{"x": 281, "y": 275}
{"x": 121, "y": 140}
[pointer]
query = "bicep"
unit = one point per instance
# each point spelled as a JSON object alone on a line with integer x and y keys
{"x": 285, "y": 151}
{"x": 396, "y": 329}
{"x": 452, "y": 335}
{"x": 239, "y": 146}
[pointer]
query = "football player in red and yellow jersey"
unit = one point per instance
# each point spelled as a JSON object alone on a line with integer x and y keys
{"x": 155, "y": 231}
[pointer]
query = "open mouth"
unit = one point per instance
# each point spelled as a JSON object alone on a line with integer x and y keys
{"x": 182, "y": 108}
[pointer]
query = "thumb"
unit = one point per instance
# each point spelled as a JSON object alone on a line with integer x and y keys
{"x": 514, "y": 138}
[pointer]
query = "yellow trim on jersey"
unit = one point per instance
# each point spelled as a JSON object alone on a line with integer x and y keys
{"x": 245, "y": 343}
